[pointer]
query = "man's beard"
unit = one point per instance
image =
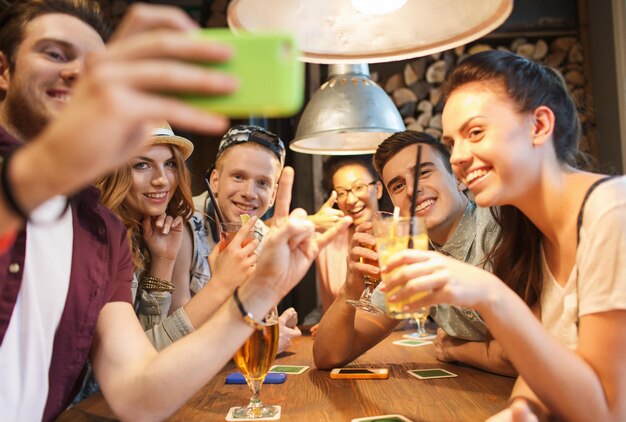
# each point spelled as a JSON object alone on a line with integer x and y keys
{"x": 27, "y": 121}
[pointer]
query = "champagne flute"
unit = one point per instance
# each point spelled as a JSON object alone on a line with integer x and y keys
{"x": 254, "y": 360}
{"x": 371, "y": 281}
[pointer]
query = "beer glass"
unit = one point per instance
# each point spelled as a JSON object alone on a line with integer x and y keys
{"x": 394, "y": 235}
{"x": 254, "y": 360}
{"x": 371, "y": 281}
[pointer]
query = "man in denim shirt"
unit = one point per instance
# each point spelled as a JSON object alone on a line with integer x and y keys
{"x": 245, "y": 181}
{"x": 456, "y": 227}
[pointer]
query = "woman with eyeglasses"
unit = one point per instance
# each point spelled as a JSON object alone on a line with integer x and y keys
{"x": 356, "y": 190}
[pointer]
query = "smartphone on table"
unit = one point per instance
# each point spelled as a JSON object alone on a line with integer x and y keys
{"x": 270, "y": 378}
{"x": 359, "y": 373}
{"x": 270, "y": 76}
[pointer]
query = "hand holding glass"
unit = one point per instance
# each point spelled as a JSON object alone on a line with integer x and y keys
{"x": 371, "y": 280}
{"x": 228, "y": 232}
{"x": 392, "y": 236}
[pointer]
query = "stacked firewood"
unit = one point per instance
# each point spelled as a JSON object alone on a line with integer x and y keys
{"x": 417, "y": 90}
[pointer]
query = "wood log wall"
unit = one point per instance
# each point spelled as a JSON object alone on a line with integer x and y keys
{"x": 416, "y": 85}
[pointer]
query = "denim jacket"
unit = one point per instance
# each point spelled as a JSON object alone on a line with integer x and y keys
{"x": 471, "y": 240}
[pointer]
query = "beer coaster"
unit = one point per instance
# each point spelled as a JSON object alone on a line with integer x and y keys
{"x": 426, "y": 374}
{"x": 411, "y": 343}
{"x": 289, "y": 369}
{"x": 415, "y": 336}
{"x": 231, "y": 418}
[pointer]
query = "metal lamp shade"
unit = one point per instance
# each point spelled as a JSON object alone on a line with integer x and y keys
{"x": 334, "y": 31}
{"x": 349, "y": 114}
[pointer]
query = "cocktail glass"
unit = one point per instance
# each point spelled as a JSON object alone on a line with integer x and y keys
{"x": 394, "y": 234}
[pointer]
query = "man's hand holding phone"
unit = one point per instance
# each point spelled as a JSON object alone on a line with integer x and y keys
{"x": 270, "y": 77}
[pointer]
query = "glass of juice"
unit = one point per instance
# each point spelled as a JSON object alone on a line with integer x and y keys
{"x": 254, "y": 360}
{"x": 394, "y": 234}
{"x": 371, "y": 280}
{"x": 229, "y": 230}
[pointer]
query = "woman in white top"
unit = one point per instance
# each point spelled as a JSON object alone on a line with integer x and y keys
{"x": 355, "y": 187}
{"x": 513, "y": 130}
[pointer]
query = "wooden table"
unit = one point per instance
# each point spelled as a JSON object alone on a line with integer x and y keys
{"x": 313, "y": 396}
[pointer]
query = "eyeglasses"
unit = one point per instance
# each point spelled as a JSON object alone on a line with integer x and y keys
{"x": 358, "y": 191}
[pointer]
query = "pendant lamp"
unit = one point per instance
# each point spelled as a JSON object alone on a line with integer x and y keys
{"x": 348, "y": 114}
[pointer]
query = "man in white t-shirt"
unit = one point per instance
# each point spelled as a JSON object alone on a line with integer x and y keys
{"x": 65, "y": 280}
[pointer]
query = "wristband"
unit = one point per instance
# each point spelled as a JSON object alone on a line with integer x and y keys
{"x": 7, "y": 192}
{"x": 14, "y": 206}
{"x": 247, "y": 316}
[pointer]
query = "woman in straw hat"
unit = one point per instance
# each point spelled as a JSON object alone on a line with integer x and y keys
{"x": 152, "y": 197}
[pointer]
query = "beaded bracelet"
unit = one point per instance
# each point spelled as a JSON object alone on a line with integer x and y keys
{"x": 153, "y": 283}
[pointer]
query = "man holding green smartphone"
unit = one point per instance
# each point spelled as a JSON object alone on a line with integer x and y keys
{"x": 66, "y": 286}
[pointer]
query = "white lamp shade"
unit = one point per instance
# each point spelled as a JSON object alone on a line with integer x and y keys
{"x": 334, "y": 31}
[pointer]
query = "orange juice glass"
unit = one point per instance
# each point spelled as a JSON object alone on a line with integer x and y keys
{"x": 392, "y": 236}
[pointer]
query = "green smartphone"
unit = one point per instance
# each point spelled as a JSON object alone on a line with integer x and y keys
{"x": 271, "y": 78}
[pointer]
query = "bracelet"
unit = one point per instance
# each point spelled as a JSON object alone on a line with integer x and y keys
{"x": 153, "y": 283}
{"x": 12, "y": 204}
{"x": 7, "y": 192}
{"x": 247, "y": 316}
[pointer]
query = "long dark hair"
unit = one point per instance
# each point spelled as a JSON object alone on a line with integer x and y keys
{"x": 516, "y": 253}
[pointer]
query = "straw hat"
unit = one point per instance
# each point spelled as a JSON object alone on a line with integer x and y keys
{"x": 163, "y": 134}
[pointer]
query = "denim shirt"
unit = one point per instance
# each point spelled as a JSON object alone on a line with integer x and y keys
{"x": 471, "y": 240}
{"x": 153, "y": 307}
{"x": 205, "y": 238}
